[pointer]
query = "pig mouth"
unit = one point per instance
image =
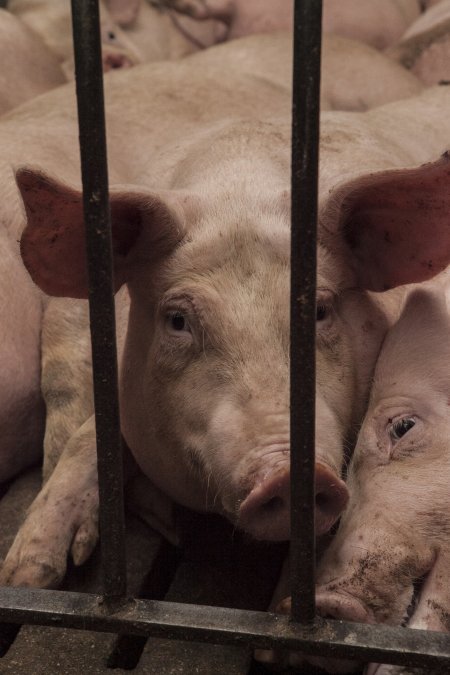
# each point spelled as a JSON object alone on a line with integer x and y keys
{"x": 416, "y": 590}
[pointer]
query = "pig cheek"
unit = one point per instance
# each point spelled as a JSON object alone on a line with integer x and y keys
{"x": 336, "y": 389}
{"x": 162, "y": 423}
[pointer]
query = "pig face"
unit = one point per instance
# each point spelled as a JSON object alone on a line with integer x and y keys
{"x": 395, "y": 530}
{"x": 204, "y": 386}
{"x": 214, "y": 338}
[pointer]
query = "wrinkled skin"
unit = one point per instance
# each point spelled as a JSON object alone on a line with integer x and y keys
{"x": 395, "y": 530}
{"x": 425, "y": 47}
{"x": 205, "y": 257}
{"x": 378, "y": 23}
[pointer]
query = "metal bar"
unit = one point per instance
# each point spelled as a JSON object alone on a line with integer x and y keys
{"x": 305, "y": 158}
{"x": 335, "y": 639}
{"x": 91, "y": 117}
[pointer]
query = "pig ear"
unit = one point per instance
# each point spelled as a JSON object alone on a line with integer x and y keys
{"x": 395, "y": 223}
{"x": 123, "y": 12}
{"x": 53, "y": 241}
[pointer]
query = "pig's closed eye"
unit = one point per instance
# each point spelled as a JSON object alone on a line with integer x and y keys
{"x": 177, "y": 323}
{"x": 401, "y": 427}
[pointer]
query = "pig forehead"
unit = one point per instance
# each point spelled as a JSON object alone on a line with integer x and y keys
{"x": 236, "y": 252}
{"x": 240, "y": 252}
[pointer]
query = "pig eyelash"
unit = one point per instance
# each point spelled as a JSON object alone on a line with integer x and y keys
{"x": 400, "y": 428}
{"x": 324, "y": 309}
{"x": 177, "y": 322}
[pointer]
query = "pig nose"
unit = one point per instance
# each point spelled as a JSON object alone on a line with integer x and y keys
{"x": 265, "y": 513}
{"x": 331, "y": 605}
{"x": 331, "y": 498}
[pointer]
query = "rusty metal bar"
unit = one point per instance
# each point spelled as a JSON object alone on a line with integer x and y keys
{"x": 335, "y": 639}
{"x": 305, "y": 158}
{"x": 91, "y": 118}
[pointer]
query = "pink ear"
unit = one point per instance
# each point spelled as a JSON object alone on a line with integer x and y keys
{"x": 123, "y": 12}
{"x": 395, "y": 223}
{"x": 53, "y": 242}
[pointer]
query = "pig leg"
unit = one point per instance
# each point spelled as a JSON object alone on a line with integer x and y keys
{"x": 63, "y": 517}
{"x": 66, "y": 379}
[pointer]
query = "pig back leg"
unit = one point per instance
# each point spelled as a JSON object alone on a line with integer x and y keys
{"x": 21, "y": 406}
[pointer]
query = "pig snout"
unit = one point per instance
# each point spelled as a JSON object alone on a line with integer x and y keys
{"x": 265, "y": 513}
{"x": 342, "y": 606}
{"x": 331, "y": 498}
{"x": 115, "y": 60}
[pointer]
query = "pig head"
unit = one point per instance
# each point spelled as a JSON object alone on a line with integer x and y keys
{"x": 395, "y": 531}
{"x": 205, "y": 371}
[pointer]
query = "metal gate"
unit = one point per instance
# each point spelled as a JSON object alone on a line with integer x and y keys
{"x": 114, "y": 611}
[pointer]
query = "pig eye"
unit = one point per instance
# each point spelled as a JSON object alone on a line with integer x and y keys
{"x": 177, "y": 322}
{"x": 111, "y": 36}
{"x": 322, "y": 312}
{"x": 324, "y": 309}
{"x": 401, "y": 427}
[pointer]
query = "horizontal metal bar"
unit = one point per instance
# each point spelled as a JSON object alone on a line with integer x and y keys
{"x": 336, "y": 639}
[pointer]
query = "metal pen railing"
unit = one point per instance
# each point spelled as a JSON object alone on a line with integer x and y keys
{"x": 305, "y": 163}
{"x": 94, "y": 173}
{"x": 110, "y": 613}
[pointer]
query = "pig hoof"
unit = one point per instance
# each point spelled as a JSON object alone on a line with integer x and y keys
{"x": 84, "y": 541}
{"x": 284, "y": 607}
{"x": 33, "y": 572}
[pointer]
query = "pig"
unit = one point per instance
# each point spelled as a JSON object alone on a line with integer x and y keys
{"x": 203, "y": 246}
{"x": 29, "y": 68}
{"x": 425, "y": 47}
{"x": 356, "y": 76}
{"x": 395, "y": 531}
{"x": 132, "y": 31}
{"x": 379, "y": 24}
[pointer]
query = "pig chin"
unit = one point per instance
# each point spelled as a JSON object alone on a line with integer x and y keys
{"x": 377, "y": 588}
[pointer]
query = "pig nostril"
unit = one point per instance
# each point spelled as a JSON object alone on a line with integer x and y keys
{"x": 323, "y": 501}
{"x": 274, "y": 504}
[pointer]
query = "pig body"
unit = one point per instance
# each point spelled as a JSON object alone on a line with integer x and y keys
{"x": 395, "y": 530}
{"x": 379, "y": 24}
{"x": 425, "y": 47}
{"x": 29, "y": 68}
{"x": 211, "y": 263}
{"x": 132, "y": 31}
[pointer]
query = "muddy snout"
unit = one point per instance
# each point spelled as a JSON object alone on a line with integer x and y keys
{"x": 265, "y": 512}
{"x": 337, "y": 605}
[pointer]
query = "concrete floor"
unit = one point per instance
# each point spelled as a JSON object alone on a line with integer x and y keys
{"x": 217, "y": 567}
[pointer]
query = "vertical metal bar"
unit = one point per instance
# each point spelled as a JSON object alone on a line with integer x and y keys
{"x": 305, "y": 157}
{"x": 91, "y": 117}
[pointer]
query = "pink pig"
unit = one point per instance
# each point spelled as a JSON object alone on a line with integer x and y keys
{"x": 395, "y": 530}
{"x": 378, "y": 23}
{"x": 29, "y": 67}
{"x": 203, "y": 246}
{"x": 425, "y": 47}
